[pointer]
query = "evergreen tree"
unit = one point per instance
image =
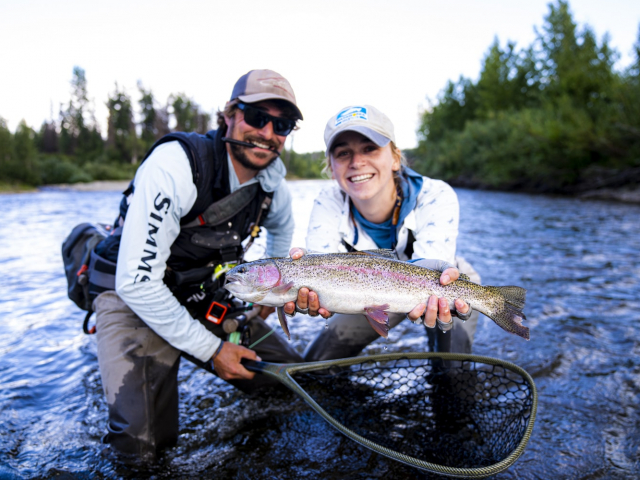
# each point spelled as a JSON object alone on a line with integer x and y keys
{"x": 187, "y": 114}
{"x": 6, "y": 151}
{"x": 79, "y": 132}
{"x": 543, "y": 118}
{"x": 573, "y": 65}
{"x": 25, "y": 153}
{"x": 47, "y": 138}
{"x": 121, "y": 135}
{"x": 149, "y": 119}
{"x": 161, "y": 124}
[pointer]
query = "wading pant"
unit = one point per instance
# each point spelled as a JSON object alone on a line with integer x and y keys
{"x": 348, "y": 335}
{"x": 139, "y": 371}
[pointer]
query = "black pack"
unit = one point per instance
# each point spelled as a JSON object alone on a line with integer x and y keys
{"x": 76, "y": 255}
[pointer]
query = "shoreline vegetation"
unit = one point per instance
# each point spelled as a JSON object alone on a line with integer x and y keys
{"x": 553, "y": 117}
{"x": 626, "y": 194}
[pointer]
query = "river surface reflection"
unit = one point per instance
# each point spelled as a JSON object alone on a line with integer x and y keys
{"x": 579, "y": 261}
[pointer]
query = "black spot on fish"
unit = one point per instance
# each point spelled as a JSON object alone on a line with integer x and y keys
{"x": 432, "y": 201}
{"x": 431, "y": 224}
{"x": 451, "y": 221}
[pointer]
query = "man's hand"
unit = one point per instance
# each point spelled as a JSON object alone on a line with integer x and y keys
{"x": 227, "y": 363}
{"x": 439, "y": 307}
{"x": 306, "y": 298}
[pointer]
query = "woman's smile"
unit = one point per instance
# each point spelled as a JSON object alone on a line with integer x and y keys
{"x": 361, "y": 178}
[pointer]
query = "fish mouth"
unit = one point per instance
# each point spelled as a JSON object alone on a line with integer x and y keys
{"x": 364, "y": 177}
{"x": 234, "y": 284}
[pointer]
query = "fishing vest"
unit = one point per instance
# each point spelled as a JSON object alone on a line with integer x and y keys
{"x": 212, "y": 231}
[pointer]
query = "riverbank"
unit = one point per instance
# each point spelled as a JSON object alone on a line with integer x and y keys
{"x": 622, "y": 194}
{"x": 625, "y": 194}
{"x": 98, "y": 186}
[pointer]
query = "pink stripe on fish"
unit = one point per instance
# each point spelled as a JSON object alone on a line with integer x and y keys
{"x": 382, "y": 273}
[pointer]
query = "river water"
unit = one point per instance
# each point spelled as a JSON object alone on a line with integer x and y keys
{"x": 579, "y": 261}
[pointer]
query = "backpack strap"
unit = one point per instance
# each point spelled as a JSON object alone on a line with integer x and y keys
{"x": 225, "y": 208}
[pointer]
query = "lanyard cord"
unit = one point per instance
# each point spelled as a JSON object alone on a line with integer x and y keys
{"x": 395, "y": 217}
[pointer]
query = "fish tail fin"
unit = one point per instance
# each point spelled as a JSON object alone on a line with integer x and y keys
{"x": 508, "y": 313}
{"x": 515, "y": 296}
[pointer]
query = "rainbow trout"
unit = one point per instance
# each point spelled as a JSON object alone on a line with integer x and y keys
{"x": 369, "y": 284}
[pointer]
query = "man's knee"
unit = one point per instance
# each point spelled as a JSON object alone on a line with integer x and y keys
{"x": 139, "y": 373}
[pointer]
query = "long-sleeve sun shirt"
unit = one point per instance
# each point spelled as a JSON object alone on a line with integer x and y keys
{"x": 164, "y": 192}
{"x": 433, "y": 221}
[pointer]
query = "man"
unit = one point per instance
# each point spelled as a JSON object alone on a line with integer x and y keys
{"x": 192, "y": 202}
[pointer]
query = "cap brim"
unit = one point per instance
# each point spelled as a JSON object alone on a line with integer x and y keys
{"x": 259, "y": 97}
{"x": 371, "y": 134}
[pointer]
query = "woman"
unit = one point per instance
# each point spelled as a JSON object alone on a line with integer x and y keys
{"x": 379, "y": 202}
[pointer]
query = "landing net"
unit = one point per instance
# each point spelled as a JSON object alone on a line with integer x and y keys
{"x": 458, "y": 415}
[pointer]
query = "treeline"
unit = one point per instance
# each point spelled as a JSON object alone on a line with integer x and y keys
{"x": 554, "y": 116}
{"x": 71, "y": 148}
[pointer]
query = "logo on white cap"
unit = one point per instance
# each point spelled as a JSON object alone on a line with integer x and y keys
{"x": 351, "y": 113}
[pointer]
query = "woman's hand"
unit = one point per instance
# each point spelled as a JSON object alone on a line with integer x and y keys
{"x": 438, "y": 308}
{"x": 307, "y": 301}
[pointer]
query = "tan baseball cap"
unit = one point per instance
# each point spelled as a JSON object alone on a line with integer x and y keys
{"x": 364, "y": 119}
{"x": 259, "y": 85}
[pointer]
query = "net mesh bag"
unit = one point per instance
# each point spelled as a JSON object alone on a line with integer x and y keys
{"x": 458, "y": 415}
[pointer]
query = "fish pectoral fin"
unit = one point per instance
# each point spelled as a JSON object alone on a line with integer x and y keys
{"x": 283, "y": 321}
{"x": 282, "y": 288}
{"x": 381, "y": 329}
{"x": 378, "y": 319}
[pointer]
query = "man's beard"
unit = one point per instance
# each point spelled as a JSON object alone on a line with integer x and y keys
{"x": 240, "y": 154}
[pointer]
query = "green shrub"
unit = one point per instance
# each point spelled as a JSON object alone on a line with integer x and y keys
{"x": 58, "y": 169}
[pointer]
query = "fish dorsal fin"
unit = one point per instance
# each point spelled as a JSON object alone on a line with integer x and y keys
{"x": 380, "y": 252}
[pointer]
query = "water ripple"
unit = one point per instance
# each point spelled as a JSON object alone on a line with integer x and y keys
{"x": 579, "y": 261}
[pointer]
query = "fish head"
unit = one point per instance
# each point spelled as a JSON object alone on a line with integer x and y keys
{"x": 251, "y": 282}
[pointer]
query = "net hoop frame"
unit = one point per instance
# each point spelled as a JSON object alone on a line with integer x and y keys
{"x": 284, "y": 372}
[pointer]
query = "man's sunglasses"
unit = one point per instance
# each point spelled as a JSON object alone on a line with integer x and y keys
{"x": 258, "y": 119}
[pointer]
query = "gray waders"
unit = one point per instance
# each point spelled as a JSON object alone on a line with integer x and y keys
{"x": 139, "y": 371}
{"x": 348, "y": 335}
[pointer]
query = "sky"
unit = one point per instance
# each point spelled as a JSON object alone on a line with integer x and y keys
{"x": 396, "y": 55}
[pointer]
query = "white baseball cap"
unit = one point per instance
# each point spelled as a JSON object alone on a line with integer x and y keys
{"x": 364, "y": 119}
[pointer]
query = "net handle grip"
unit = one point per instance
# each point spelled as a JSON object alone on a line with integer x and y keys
{"x": 253, "y": 366}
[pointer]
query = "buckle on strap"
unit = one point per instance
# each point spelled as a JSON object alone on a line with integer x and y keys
{"x": 216, "y": 312}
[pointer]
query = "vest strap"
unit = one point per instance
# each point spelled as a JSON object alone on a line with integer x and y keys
{"x": 226, "y": 208}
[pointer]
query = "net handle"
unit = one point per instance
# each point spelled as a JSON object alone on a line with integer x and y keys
{"x": 282, "y": 372}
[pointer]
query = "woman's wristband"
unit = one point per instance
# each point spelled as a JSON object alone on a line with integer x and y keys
{"x": 216, "y": 353}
